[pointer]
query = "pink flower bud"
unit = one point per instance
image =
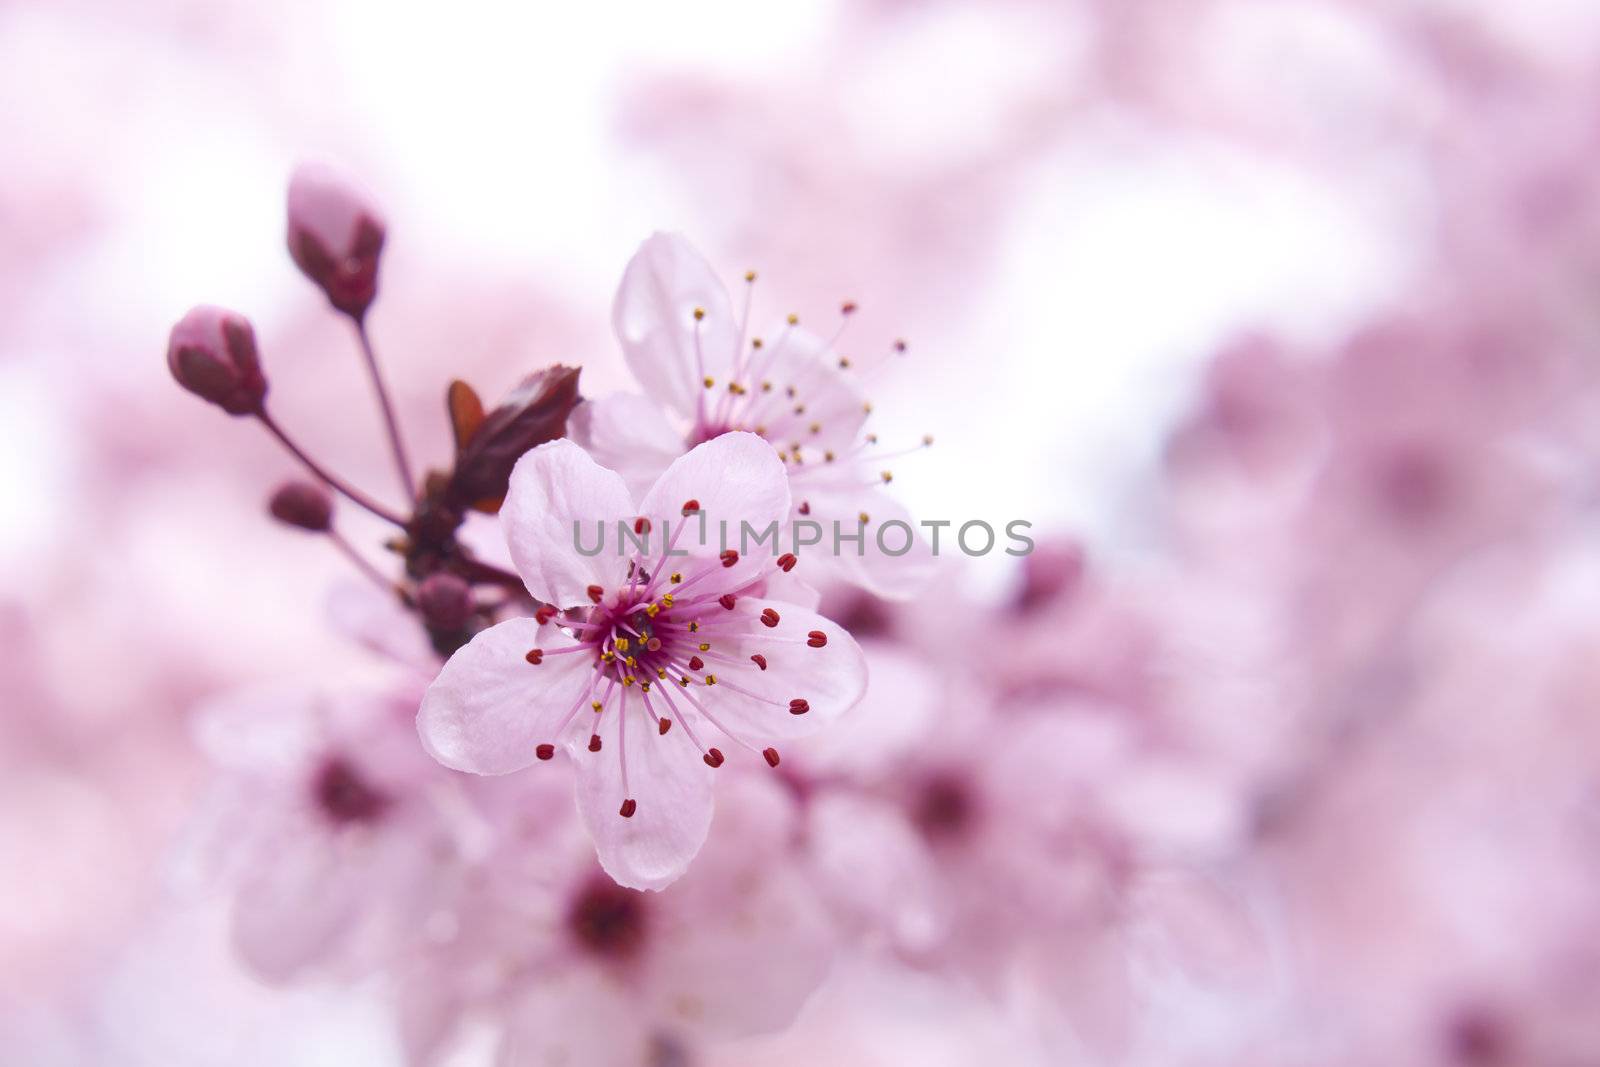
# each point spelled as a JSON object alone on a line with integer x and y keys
{"x": 335, "y": 237}
{"x": 304, "y": 505}
{"x": 212, "y": 353}
{"x": 445, "y": 602}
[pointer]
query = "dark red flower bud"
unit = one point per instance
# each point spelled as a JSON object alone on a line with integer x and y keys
{"x": 445, "y": 602}
{"x": 335, "y": 236}
{"x": 212, "y": 353}
{"x": 302, "y": 504}
{"x": 534, "y": 412}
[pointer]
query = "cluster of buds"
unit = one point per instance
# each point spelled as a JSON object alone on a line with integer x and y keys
{"x": 336, "y": 238}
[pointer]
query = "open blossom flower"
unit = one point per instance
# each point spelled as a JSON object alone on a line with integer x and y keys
{"x": 322, "y": 826}
{"x": 639, "y": 664}
{"x": 569, "y": 967}
{"x": 703, "y": 376}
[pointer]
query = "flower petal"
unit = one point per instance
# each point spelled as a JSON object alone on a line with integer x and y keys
{"x": 893, "y": 577}
{"x": 668, "y": 780}
{"x": 737, "y": 479}
{"x": 826, "y": 408}
{"x": 556, "y": 491}
{"x": 490, "y": 708}
{"x": 629, "y": 434}
{"x": 742, "y": 907}
{"x": 665, "y": 281}
{"x": 831, "y": 679}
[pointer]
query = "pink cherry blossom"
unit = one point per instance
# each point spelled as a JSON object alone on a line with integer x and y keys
{"x": 640, "y": 664}
{"x": 704, "y": 375}
{"x": 321, "y": 827}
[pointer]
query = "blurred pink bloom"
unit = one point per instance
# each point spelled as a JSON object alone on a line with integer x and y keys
{"x": 322, "y": 827}
{"x": 572, "y": 968}
{"x": 703, "y": 376}
{"x": 764, "y": 669}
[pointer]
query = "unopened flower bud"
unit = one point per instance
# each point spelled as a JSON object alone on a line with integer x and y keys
{"x": 212, "y": 353}
{"x": 335, "y": 236}
{"x": 445, "y": 602}
{"x": 304, "y": 505}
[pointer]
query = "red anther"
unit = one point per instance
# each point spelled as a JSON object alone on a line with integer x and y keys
{"x": 769, "y": 617}
{"x": 664, "y": 725}
{"x": 759, "y": 660}
{"x": 787, "y": 561}
{"x": 594, "y": 740}
{"x": 772, "y": 756}
{"x": 727, "y": 600}
{"x": 799, "y": 706}
{"x": 595, "y": 593}
{"x": 535, "y": 656}
{"x": 545, "y": 614}
{"x": 729, "y": 557}
{"x": 545, "y": 751}
{"x": 629, "y": 806}
{"x": 713, "y": 758}
{"x": 654, "y": 644}
{"x": 695, "y": 663}
{"x": 848, "y": 308}
{"x": 641, "y": 525}
{"x": 805, "y": 507}
{"x": 899, "y": 346}
{"x": 691, "y": 506}
{"x": 816, "y": 638}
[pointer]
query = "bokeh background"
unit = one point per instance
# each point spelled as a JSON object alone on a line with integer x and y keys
{"x": 1069, "y": 209}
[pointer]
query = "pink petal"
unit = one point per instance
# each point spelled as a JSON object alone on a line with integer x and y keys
{"x": 555, "y": 489}
{"x": 736, "y": 478}
{"x": 744, "y": 940}
{"x": 833, "y": 400}
{"x": 489, "y": 708}
{"x": 575, "y": 1016}
{"x": 629, "y": 434}
{"x": 892, "y": 577}
{"x": 666, "y": 280}
{"x": 299, "y": 909}
{"x": 668, "y": 780}
{"x": 831, "y": 679}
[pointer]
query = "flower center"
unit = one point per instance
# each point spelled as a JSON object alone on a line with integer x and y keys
{"x": 608, "y": 920}
{"x": 944, "y": 808}
{"x": 344, "y": 796}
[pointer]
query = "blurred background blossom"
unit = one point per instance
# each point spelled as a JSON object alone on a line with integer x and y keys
{"x": 1275, "y": 319}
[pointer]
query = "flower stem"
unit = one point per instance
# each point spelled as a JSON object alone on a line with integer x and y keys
{"x": 361, "y": 563}
{"x": 402, "y": 462}
{"x": 315, "y": 468}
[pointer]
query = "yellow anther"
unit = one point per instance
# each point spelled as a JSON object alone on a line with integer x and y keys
{"x": 661, "y": 672}
{"x": 844, "y": 363}
{"x": 627, "y": 680}
{"x": 652, "y": 610}
{"x": 828, "y": 457}
{"x": 694, "y": 627}
{"x": 666, "y": 600}
{"x": 684, "y": 682}
{"x": 749, "y": 275}
{"x": 699, "y": 313}
{"x": 887, "y": 476}
{"x": 676, "y": 578}
{"x": 630, "y": 661}
{"x": 705, "y": 646}
{"x": 865, "y": 518}
{"x": 756, "y": 342}
{"x": 644, "y": 687}
{"x": 794, "y": 320}
{"x": 608, "y": 656}
{"x": 799, "y": 409}
{"x": 872, "y": 438}
{"x": 711, "y": 679}
{"x": 867, "y": 407}
{"x": 766, "y": 387}
{"x": 711, "y": 383}
{"x": 927, "y": 439}
{"x": 623, "y": 644}
{"x": 597, "y": 706}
